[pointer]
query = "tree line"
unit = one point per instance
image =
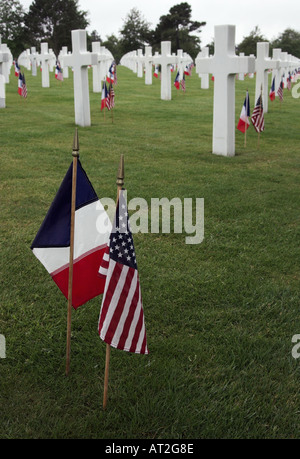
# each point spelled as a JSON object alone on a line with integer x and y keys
{"x": 53, "y": 20}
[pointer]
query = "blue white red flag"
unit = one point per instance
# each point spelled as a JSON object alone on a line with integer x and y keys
{"x": 111, "y": 74}
{"x": 104, "y": 96}
{"x": 272, "y": 94}
{"x": 177, "y": 81}
{"x": 92, "y": 228}
{"x": 20, "y": 84}
{"x": 121, "y": 320}
{"x": 244, "y": 122}
{"x": 17, "y": 69}
{"x": 156, "y": 71}
{"x": 58, "y": 73}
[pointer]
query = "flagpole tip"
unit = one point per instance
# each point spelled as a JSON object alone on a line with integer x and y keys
{"x": 121, "y": 175}
{"x": 76, "y": 144}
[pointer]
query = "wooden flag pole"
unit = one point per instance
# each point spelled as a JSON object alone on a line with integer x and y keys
{"x": 75, "y": 155}
{"x": 120, "y": 184}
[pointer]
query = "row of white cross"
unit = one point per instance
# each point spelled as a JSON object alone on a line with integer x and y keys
{"x": 224, "y": 65}
{"x": 79, "y": 60}
{"x": 137, "y": 62}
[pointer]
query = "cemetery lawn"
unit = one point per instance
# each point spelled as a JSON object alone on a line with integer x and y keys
{"x": 220, "y": 316}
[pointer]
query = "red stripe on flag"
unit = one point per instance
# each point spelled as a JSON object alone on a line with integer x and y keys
{"x": 86, "y": 282}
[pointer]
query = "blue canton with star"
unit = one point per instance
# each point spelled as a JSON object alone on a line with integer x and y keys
{"x": 121, "y": 242}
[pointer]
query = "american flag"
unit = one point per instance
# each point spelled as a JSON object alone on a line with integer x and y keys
{"x": 24, "y": 87}
{"x": 280, "y": 91}
{"x": 121, "y": 320}
{"x": 257, "y": 118}
{"x": 110, "y": 100}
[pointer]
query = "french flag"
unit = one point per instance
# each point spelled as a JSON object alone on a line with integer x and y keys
{"x": 272, "y": 94}
{"x": 104, "y": 96}
{"x": 20, "y": 84}
{"x": 156, "y": 71}
{"x": 244, "y": 122}
{"x": 92, "y": 229}
{"x": 177, "y": 81}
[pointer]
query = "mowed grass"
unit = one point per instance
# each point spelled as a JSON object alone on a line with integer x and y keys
{"x": 220, "y": 315}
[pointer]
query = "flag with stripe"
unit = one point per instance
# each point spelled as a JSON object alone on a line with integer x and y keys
{"x": 177, "y": 81}
{"x": 24, "y": 87}
{"x": 257, "y": 118}
{"x": 280, "y": 91}
{"x": 121, "y": 320}
{"x": 20, "y": 84}
{"x": 92, "y": 229}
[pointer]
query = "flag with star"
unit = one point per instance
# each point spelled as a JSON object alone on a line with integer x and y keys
{"x": 121, "y": 320}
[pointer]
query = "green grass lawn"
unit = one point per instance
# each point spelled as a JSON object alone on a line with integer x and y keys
{"x": 219, "y": 316}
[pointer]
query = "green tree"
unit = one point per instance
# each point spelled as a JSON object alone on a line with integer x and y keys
{"x": 136, "y": 32}
{"x": 248, "y": 45}
{"x": 288, "y": 41}
{"x": 113, "y": 44}
{"x": 11, "y": 25}
{"x": 177, "y": 26}
{"x": 53, "y": 21}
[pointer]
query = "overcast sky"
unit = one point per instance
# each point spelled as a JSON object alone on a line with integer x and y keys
{"x": 272, "y": 16}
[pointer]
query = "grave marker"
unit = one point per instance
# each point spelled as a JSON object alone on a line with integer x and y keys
{"x": 80, "y": 59}
{"x": 224, "y": 65}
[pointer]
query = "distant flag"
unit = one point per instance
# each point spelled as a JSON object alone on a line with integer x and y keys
{"x": 177, "y": 81}
{"x": 187, "y": 70}
{"x": 24, "y": 87}
{"x": 280, "y": 91}
{"x": 92, "y": 228}
{"x": 110, "y": 99}
{"x": 289, "y": 83}
{"x": 20, "y": 84}
{"x": 110, "y": 77}
{"x": 272, "y": 94}
{"x": 156, "y": 71}
{"x": 244, "y": 122}
{"x": 121, "y": 321}
{"x": 212, "y": 78}
{"x": 258, "y": 116}
{"x": 58, "y": 72}
{"x": 104, "y": 95}
{"x": 17, "y": 69}
{"x": 182, "y": 84}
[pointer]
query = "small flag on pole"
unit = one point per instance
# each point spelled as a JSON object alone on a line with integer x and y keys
{"x": 156, "y": 71}
{"x": 272, "y": 94}
{"x": 104, "y": 96}
{"x": 258, "y": 116}
{"x": 121, "y": 321}
{"x": 280, "y": 91}
{"x": 177, "y": 81}
{"x": 24, "y": 87}
{"x": 182, "y": 84}
{"x": 244, "y": 122}
{"x": 92, "y": 228}
{"x": 58, "y": 73}
{"x": 20, "y": 84}
{"x": 17, "y": 69}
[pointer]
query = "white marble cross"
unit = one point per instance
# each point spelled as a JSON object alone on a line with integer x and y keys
{"x": 33, "y": 59}
{"x": 44, "y": 57}
{"x": 241, "y": 75}
{"x": 140, "y": 61}
{"x": 6, "y": 64}
{"x": 97, "y": 80}
{"x": 80, "y": 59}
{"x": 165, "y": 59}
{"x": 62, "y": 54}
{"x": 3, "y": 59}
{"x": 225, "y": 65}
{"x": 148, "y": 65}
{"x": 276, "y": 72}
{"x": 262, "y": 64}
{"x": 284, "y": 64}
{"x": 204, "y": 76}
